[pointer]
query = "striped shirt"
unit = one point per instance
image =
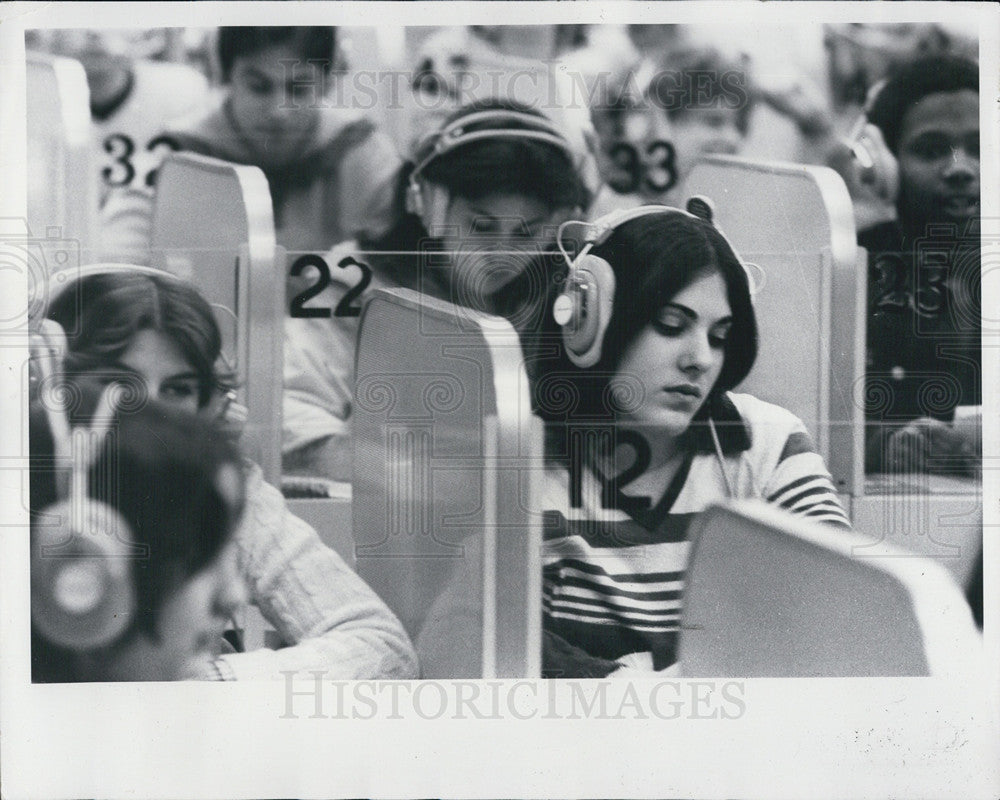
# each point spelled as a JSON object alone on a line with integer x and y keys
{"x": 614, "y": 580}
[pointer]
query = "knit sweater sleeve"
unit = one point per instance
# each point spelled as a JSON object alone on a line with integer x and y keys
{"x": 330, "y": 618}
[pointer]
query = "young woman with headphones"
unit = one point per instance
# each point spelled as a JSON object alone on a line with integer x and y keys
{"x": 476, "y": 210}
{"x": 128, "y": 584}
{"x": 645, "y": 431}
{"x": 156, "y": 334}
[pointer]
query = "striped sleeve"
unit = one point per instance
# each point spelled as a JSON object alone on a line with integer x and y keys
{"x": 801, "y": 484}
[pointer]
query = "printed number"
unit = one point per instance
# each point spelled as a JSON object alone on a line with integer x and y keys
{"x": 659, "y": 175}
{"x": 161, "y": 141}
{"x": 120, "y": 148}
{"x": 894, "y": 292}
{"x": 663, "y": 167}
{"x": 298, "y": 309}
{"x": 611, "y": 495}
{"x": 931, "y": 294}
{"x": 889, "y": 274}
{"x": 626, "y": 158}
{"x": 344, "y": 307}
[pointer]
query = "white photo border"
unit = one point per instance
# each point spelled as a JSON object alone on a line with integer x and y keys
{"x": 786, "y": 738}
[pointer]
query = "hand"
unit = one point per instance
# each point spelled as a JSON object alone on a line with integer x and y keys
{"x": 207, "y": 666}
{"x": 640, "y": 665}
{"x": 201, "y": 669}
{"x": 930, "y": 445}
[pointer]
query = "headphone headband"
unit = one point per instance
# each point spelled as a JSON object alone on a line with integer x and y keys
{"x": 457, "y": 133}
{"x": 602, "y": 228}
{"x": 599, "y": 231}
{"x": 58, "y": 288}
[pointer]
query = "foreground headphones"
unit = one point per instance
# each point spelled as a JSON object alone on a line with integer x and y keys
{"x": 82, "y": 595}
{"x": 583, "y": 310}
{"x": 430, "y": 202}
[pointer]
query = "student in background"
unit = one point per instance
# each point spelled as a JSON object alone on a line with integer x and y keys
{"x": 329, "y": 171}
{"x": 660, "y": 102}
{"x": 611, "y": 73}
{"x": 147, "y": 598}
{"x": 132, "y": 98}
{"x": 924, "y": 324}
{"x": 860, "y": 58}
{"x": 475, "y": 215}
{"x": 645, "y": 431}
{"x": 155, "y": 333}
{"x": 708, "y": 101}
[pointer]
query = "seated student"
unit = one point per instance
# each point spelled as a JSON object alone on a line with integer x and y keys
{"x": 328, "y": 170}
{"x": 157, "y": 334}
{"x": 611, "y": 74}
{"x": 708, "y": 101}
{"x": 861, "y": 57}
{"x": 703, "y": 97}
{"x": 663, "y": 437}
{"x": 157, "y": 613}
{"x": 496, "y": 177}
{"x": 923, "y": 273}
{"x": 132, "y": 99}
{"x": 704, "y": 104}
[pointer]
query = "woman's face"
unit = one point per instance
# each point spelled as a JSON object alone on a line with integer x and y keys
{"x": 189, "y": 626}
{"x": 490, "y": 241}
{"x": 676, "y": 359}
{"x": 159, "y": 365}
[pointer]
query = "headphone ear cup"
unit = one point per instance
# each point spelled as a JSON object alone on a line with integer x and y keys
{"x": 435, "y": 208}
{"x": 877, "y": 166}
{"x": 414, "y": 199}
{"x": 584, "y": 309}
{"x": 429, "y": 202}
{"x": 82, "y": 594}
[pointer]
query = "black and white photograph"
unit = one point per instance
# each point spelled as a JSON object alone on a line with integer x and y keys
{"x": 404, "y": 402}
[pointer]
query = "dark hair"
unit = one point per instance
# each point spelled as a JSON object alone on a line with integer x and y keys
{"x": 522, "y": 166}
{"x": 102, "y": 314}
{"x": 179, "y": 526}
{"x": 316, "y": 44}
{"x": 654, "y": 258}
{"x": 519, "y": 166}
{"x": 930, "y": 75}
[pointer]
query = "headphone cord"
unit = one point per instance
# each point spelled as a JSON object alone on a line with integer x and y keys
{"x": 721, "y": 459}
{"x": 559, "y": 237}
